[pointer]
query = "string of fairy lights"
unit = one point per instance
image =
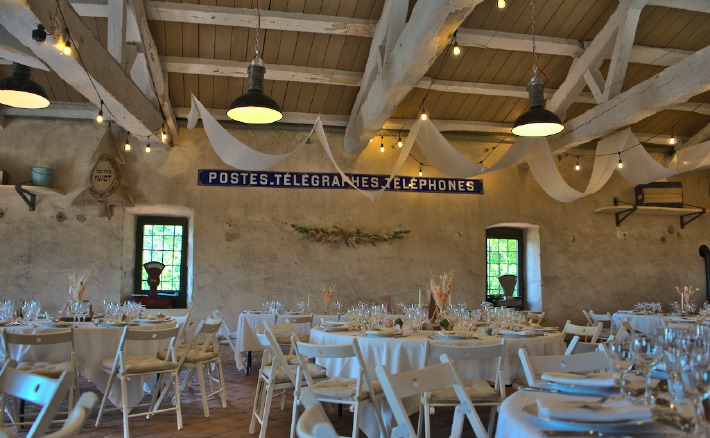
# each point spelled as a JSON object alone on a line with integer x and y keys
{"x": 67, "y": 46}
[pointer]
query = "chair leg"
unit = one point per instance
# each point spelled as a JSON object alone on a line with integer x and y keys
{"x": 492, "y": 420}
{"x": 267, "y": 410}
{"x": 178, "y": 408}
{"x": 356, "y": 420}
{"x": 104, "y": 399}
{"x": 223, "y": 390}
{"x": 255, "y": 410}
{"x": 187, "y": 379}
{"x": 203, "y": 389}
{"x": 159, "y": 392}
{"x": 294, "y": 415}
{"x": 124, "y": 402}
{"x": 427, "y": 421}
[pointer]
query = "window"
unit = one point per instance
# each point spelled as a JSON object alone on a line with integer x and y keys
{"x": 163, "y": 239}
{"x": 504, "y": 256}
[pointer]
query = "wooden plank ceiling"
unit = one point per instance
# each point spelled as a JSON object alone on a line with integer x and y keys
{"x": 320, "y": 70}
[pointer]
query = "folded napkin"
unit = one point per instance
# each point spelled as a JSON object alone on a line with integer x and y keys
{"x": 610, "y": 411}
{"x": 591, "y": 380}
{"x": 512, "y": 333}
{"x": 385, "y": 332}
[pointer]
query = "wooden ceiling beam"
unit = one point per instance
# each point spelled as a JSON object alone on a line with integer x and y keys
{"x": 426, "y": 34}
{"x": 129, "y": 106}
{"x": 675, "y": 84}
{"x": 688, "y": 5}
{"x": 205, "y": 14}
{"x": 14, "y": 51}
{"x": 621, "y": 53}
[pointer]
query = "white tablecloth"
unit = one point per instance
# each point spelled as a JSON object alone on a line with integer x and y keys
{"x": 249, "y": 323}
{"x": 514, "y": 421}
{"x": 409, "y": 352}
{"x": 92, "y": 346}
{"x": 649, "y": 324}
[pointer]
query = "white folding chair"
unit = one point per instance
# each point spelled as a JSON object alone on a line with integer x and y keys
{"x": 587, "y": 317}
{"x": 225, "y": 336}
{"x": 481, "y": 392}
{"x": 417, "y": 382}
{"x": 77, "y": 417}
{"x": 43, "y": 391}
{"x": 577, "y": 346}
{"x": 125, "y": 366}
{"x": 535, "y": 366}
{"x": 18, "y": 346}
{"x": 282, "y": 331}
{"x": 608, "y": 326}
{"x": 198, "y": 357}
{"x": 535, "y": 317}
{"x": 354, "y": 392}
{"x": 589, "y": 333}
{"x": 313, "y": 422}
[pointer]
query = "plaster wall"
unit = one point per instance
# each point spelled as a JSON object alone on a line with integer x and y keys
{"x": 245, "y": 251}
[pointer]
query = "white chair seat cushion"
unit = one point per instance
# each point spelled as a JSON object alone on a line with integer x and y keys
{"x": 316, "y": 372}
{"x": 140, "y": 364}
{"x": 477, "y": 390}
{"x": 192, "y": 357}
{"x": 340, "y": 388}
{"x": 47, "y": 369}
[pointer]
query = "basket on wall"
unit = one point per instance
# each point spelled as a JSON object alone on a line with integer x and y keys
{"x": 508, "y": 282}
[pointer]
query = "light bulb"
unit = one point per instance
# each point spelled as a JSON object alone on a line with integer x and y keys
{"x": 501, "y": 4}
{"x": 456, "y": 50}
{"x": 163, "y": 136}
{"x": 127, "y": 146}
{"x": 382, "y": 147}
{"x": 399, "y": 142}
{"x": 60, "y": 45}
{"x": 67, "y": 49}
{"x": 424, "y": 116}
{"x": 371, "y": 140}
{"x": 100, "y": 117}
{"x": 577, "y": 166}
{"x": 620, "y": 165}
{"x": 147, "y": 148}
{"x": 671, "y": 140}
{"x": 420, "y": 170}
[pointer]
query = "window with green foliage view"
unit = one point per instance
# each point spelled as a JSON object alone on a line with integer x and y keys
{"x": 503, "y": 257}
{"x": 164, "y": 240}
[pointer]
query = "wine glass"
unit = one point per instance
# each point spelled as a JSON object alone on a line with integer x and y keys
{"x": 621, "y": 354}
{"x": 646, "y": 352}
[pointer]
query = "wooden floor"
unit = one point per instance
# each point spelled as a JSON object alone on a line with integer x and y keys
{"x": 230, "y": 422}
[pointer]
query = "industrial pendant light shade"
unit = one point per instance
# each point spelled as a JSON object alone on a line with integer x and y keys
{"x": 537, "y": 121}
{"x": 255, "y": 107}
{"x": 19, "y": 91}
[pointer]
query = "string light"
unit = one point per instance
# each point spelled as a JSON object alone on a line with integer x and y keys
{"x": 66, "y": 50}
{"x": 501, "y": 4}
{"x": 163, "y": 135}
{"x": 399, "y": 142}
{"x": 420, "y": 170}
{"x": 577, "y": 166}
{"x": 147, "y": 148}
{"x": 60, "y": 45}
{"x": 620, "y": 165}
{"x": 100, "y": 115}
{"x": 424, "y": 115}
{"x": 456, "y": 50}
{"x": 127, "y": 144}
{"x": 672, "y": 141}
{"x": 382, "y": 145}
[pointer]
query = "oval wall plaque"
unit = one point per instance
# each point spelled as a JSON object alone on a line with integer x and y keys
{"x": 104, "y": 177}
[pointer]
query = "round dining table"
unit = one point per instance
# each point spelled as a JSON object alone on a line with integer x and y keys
{"x": 92, "y": 345}
{"x": 650, "y": 324}
{"x": 408, "y": 352}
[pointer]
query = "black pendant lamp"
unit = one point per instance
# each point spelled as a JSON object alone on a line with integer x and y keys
{"x": 537, "y": 121}
{"x": 255, "y": 107}
{"x": 19, "y": 91}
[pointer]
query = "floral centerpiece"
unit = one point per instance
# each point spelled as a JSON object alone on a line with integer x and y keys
{"x": 685, "y": 295}
{"x": 441, "y": 290}
{"x": 77, "y": 288}
{"x": 326, "y": 294}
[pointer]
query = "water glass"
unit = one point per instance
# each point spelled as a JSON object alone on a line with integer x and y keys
{"x": 646, "y": 352}
{"x": 621, "y": 354}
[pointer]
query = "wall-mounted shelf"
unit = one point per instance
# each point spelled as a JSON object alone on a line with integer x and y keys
{"x": 622, "y": 210}
{"x": 29, "y": 193}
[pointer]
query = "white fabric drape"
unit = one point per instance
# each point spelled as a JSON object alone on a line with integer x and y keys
{"x": 639, "y": 166}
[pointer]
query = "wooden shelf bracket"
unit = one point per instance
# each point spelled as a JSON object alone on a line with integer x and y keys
{"x": 27, "y": 196}
{"x": 622, "y": 215}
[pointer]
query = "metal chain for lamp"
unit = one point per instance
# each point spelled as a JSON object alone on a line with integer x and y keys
{"x": 258, "y": 26}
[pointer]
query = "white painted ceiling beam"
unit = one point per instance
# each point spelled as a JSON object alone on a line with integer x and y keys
{"x": 673, "y": 85}
{"x": 425, "y": 36}
{"x": 14, "y": 51}
{"x": 621, "y": 53}
{"x": 205, "y": 14}
{"x": 699, "y": 137}
{"x": 116, "y": 34}
{"x": 688, "y": 5}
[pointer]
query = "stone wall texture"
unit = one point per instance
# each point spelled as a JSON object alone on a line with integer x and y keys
{"x": 245, "y": 251}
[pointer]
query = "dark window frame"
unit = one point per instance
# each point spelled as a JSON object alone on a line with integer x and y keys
{"x": 512, "y": 234}
{"x": 179, "y": 297}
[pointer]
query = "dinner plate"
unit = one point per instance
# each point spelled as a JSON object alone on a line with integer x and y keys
{"x": 335, "y": 323}
{"x": 581, "y": 389}
{"x": 151, "y": 321}
{"x": 253, "y": 312}
{"x": 335, "y": 329}
{"x": 596, "y": 426}
{"x": 381, "y": 334}
{"x": 454, "y": 336}
{"x": 54, "y": 324}
{"x": 114, "y": 324}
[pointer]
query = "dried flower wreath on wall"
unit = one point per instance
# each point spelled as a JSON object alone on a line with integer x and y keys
{"x": 350, "y": 237}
